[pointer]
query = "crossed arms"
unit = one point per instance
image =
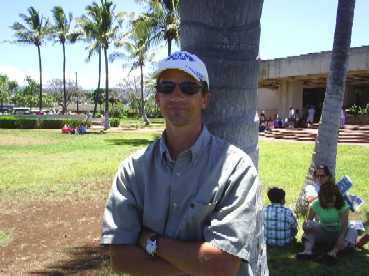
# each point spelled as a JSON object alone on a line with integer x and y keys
{"x": 173, "y": 258}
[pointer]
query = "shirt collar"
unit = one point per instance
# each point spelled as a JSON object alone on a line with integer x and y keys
{"x": 195, "y": 149}
{"x": 277, "y": 204}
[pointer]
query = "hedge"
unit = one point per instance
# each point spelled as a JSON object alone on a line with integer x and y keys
{"x": 26, "y": 123}
{"x": 8, "y": 122}
{"x": 31, "y": 123}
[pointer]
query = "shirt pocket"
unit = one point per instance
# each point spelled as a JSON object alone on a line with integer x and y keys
{"x": 196, "y": 217}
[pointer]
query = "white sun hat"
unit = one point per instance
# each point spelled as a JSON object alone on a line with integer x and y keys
{"x": 184, "y": 61}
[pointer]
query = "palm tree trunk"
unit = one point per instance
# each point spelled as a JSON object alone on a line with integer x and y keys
{"x": 225, "y": 35}
{"x": 40, "y": 71}
{"x": 98, "y": 85}
{"x": 143, "y": 114}
{"x": 325, "y": 149}
{"x": 229, "y": 46}
{"x": 106, "y": 111}
{"x": 169, "y": 46}
{"x": 64, "y": 86}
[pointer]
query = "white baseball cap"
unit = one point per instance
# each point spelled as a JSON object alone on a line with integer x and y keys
{"x": 184, "y": 61}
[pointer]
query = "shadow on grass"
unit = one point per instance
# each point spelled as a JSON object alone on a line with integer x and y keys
{"x": 81, "y": 261}
{"x": 282, "y": 261}
{"x": 128, "y": 141}
{"x": 131, "y": 141}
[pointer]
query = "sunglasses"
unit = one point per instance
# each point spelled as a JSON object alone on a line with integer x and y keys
{"x": 320, "y": 175}
{"x": 187, "y": 87}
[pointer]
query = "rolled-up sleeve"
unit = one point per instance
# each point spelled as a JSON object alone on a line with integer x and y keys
{"x": 122, "y": 217}
{"x": 234, "y": 227}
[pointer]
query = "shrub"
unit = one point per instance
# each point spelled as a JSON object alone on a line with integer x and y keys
{"x": 354, "y": 110}
{"x": 366, "y": 109}
{"x": 118, "y": 111}
{"x": 358, "y": 110}
{"x": 73, "y": 122}
{"x": 52, "y": 123}
{"x": 26, "y": 123}
{"x": 114, "y": 122}
{"x": 8, "y": 122}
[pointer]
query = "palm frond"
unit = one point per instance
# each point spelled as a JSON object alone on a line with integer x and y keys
{"x": 34, "y": 29}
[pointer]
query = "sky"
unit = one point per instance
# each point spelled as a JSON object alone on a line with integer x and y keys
{"x": 288, "y": 28}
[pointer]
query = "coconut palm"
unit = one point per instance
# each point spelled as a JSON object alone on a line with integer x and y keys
{"x": 33, "y": 30}
{"x": 106, "y": 31}
{"x": 109, "y": 28}
{"x": 90, "y": 25}
{"x": 225, "y": 35}
{"x": 137, "y": 48}
{"x": 325, "y": 149}
{"x": 61, "y": 32}
{"x": 163, "y": 20}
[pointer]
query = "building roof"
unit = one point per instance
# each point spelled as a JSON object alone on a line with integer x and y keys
{"x": 312, "y": 69}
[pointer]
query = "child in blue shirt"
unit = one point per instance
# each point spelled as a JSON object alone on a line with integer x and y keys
{"x": 280, "y": 224}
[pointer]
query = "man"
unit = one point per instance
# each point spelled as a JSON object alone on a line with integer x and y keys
{"x": 186, "y": 205}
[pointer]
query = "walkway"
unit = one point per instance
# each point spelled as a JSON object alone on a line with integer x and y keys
{"x": 350, "y": 134}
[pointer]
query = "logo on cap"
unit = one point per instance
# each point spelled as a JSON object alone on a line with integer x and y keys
{"x": 180, "y": 56}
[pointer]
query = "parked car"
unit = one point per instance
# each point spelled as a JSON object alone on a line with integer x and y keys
{"x": 21, "y": 110}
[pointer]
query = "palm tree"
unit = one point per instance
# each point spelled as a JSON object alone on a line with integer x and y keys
{"x": 137, "y": 48}
{"x": 163, "y": 19}
{"x": 90, "y": 25}
{"x": 33, "y": 31}
{"x": 61, "y": 32}
{"x": 225, "y": 35}
{"x": 325, "y": 149}
{"x": 108, "y": 31}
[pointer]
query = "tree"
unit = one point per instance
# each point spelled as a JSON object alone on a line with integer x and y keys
{"x": 325, "y": 149}
{"x": 91, "y": 26}
{"x": 104, "y": 30}
{"x": 33, "y": 31}
{"x": 163, "y": 20}
{"x": 4, "y": 90}
{"x": 110, "y": 25}
{"x": 27, "y": 96}
{"x": 56, "y": 91}
{"x": 225, "y": 35}
{"x": 61, "y": 32}
{"x": 137, "y": 48}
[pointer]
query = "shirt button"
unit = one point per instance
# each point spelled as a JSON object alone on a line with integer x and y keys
{"x": 174, "y": 205}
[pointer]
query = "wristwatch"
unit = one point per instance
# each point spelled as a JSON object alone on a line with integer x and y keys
{"x": 152, "y": 244}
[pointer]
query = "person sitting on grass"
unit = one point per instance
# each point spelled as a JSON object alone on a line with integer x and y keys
{"x": 280, "y": 224}
{"x": 67, "y": 129}
{"x": 81, "y": 129}
{"x": 331, "y": 214}
{"x": 321, "y": 176}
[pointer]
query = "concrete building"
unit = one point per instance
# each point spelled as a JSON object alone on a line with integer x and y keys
{"x": 300, "y": 81}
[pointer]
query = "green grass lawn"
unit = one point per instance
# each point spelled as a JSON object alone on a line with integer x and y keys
{"x": 139, "y": 123}
{"x": 46, "y": 164}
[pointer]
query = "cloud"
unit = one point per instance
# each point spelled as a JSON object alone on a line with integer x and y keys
{"x": 85, "y": 79}
{"x": 19, "y": 75}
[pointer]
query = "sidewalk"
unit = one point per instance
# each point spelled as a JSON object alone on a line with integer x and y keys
{"x": 352, "y": 134}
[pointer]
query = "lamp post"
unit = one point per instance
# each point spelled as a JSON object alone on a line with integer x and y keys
{"x": 77, "y": 95}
